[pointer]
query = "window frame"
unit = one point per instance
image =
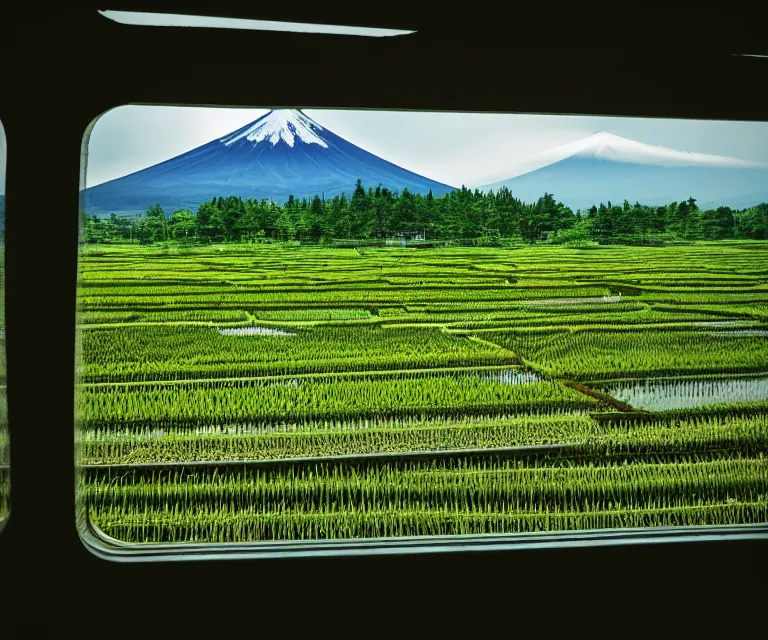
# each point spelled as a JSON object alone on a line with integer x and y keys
{"x": 44, "y": 466}
{"x": 5, "y": 467}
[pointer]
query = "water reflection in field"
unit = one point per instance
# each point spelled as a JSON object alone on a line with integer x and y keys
{"x": 254, "y": 331}
{"x": 663, "y": 395}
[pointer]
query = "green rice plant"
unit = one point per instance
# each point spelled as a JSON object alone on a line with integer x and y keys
{"x": 313, "y": 315}
{"x": 162, "y": 353}
{"x": 755, "y": 311}
{"x": 198, "y": 316}
{"x": 734, "y": 434}
{"x": 397, "y": 350}
{"x": 360, "y": 296}
{"x": 383, "y": 435}
{"x": 219, "y": 524}
{"x": 609, "y": 352}
{"x": 316, "y": 399}
{"x": 652, "y": 438}
{"x": 385, "y": 500}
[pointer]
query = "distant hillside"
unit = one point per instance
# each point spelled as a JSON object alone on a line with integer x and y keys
{"x": 605, "y": 167}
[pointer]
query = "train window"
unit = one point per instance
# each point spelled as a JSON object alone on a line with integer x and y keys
{"x": 178, "y": 20}
{"x": 5, "y": 498}
{"x": 334, "y": 329}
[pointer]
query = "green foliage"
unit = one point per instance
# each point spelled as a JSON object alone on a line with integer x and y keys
{"x": 580, "y": 234}
{"x": 487, "y": 219}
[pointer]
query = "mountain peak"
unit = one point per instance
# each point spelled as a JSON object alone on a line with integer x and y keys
{"x": 604, "y": 145}
{"x": 604, "y": 166}
{"x": 279, "y": 124}
{"x": 605, "y": 136}
{"x": 281, "y": 154}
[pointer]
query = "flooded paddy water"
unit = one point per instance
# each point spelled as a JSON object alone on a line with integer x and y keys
{"x": 254, "y": 331}
{"x": 681, "y": 393}
{"x": 510, "y": 375}
{"x": 575, "y": 301}
{"x": 743, "y": 332}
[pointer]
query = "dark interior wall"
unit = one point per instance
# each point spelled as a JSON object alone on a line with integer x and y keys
{"x": 599, "y": 25}
{"x": 62, "y": 67}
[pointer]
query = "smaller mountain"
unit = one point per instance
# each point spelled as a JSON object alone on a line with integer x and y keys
{"x": 282, "y": 153}
{"x": 604, "y": 167}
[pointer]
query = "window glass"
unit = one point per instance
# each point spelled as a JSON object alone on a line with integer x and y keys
{"x": 329, "y": 324}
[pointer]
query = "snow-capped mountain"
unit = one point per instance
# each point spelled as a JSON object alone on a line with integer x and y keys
{"x": 282, "y": 153}
{"x": 604, "y": 167}
{"x": 283, "y": 124}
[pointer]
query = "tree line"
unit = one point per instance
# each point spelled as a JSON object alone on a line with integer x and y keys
{"x": 465, "y": 215}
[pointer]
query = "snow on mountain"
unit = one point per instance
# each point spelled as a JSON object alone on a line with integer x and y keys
{"x": 282, "y": 153}
{"x": 283, "y": 124}
{"x": 604, "y": 166}
{"x": 608, "y": 146}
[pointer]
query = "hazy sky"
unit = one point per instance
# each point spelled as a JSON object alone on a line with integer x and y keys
{"x": 454, "y": 148}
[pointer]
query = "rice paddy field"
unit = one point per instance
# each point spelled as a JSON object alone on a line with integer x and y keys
{"x": 245, "y": 393}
